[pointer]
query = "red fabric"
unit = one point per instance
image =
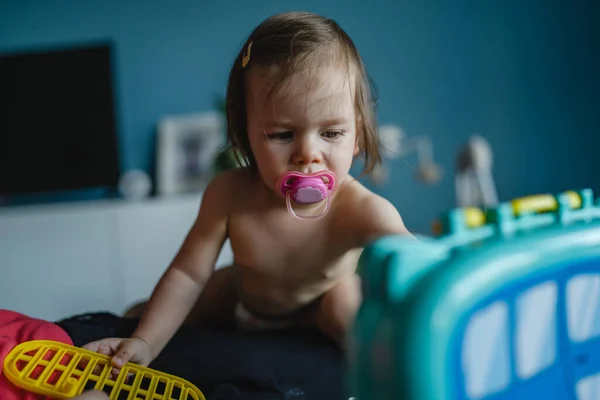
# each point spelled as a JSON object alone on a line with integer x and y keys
{"x": 17, "y": 328}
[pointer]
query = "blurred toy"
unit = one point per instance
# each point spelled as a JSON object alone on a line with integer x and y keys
{"x": 61, "y": 371}
{"x": 505, "y": 304}
{"x": 475, "y": 185}
{"x": 395, "y": 144}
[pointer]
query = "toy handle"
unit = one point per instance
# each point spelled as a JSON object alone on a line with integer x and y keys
{"x": 543, "y": 203}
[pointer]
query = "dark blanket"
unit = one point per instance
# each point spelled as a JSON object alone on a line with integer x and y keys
{"x": 227, "y": 365}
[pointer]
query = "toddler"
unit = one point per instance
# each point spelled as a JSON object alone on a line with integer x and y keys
{"x": 299, "y": 111}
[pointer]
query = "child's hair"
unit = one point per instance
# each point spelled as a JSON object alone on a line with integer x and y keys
{"x": 295, "y": 42}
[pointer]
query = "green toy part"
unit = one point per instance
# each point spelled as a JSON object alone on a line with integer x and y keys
{"x": 422, "y": 297}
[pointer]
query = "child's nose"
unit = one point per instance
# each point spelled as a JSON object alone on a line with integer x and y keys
{"x": 306, "y": 153}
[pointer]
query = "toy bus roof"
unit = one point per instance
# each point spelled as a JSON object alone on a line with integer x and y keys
{"x": 400, "y": 260}
{"x": 434, "y": 283}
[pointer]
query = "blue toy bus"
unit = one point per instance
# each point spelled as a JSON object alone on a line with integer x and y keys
{"x": 504, "y": 304}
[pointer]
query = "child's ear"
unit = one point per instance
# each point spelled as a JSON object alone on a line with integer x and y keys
{"x": 356, "y": 147}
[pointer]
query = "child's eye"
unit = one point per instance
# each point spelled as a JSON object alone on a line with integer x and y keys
{"x": 281, "y": 136}
{"x": 331, "y": 134}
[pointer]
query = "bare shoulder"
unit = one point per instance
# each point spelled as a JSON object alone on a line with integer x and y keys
{"x": 225, "y": 185}
{"x": 230, "y": 179}
{"x": 373, "y": 215}
{"x": 202, "y": 245}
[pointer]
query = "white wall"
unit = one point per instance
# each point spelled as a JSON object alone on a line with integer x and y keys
{"x": 64, "y": 259}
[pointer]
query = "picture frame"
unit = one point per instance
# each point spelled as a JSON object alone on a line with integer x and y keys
{"x": 186, "y": 148}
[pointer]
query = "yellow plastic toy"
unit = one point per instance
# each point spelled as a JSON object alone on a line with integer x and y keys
{"x": 475, "y": 217}
{"x": 61, "y": 371}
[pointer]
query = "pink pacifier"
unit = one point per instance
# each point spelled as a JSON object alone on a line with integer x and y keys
{"x": 306, "y": 189}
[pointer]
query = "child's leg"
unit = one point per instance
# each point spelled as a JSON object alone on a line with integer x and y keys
{"x": 216, "y": 305}
{"x": 338, "y": 308}
{"x": 214, "y": 308}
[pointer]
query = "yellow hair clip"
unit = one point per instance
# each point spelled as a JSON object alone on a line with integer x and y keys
{"x": 246, "y": 57}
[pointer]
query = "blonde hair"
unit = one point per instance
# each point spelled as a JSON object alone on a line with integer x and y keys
{"x": 290, "y": 43}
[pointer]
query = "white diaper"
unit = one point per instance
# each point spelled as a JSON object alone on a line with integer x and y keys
{"x": 246, "y": 320}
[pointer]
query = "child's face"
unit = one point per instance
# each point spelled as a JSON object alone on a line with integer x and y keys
{"x": 308, "y": 125}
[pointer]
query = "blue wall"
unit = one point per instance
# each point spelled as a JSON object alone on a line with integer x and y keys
{"x": 523, "y": 75}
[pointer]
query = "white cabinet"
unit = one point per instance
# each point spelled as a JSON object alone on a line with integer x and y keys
{"x": 61, "y": 260}
{"x": 150, "y": 234}
{"x": 57, "y": 263}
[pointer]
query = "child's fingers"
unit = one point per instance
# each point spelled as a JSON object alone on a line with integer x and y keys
{"x": 92, "y": 395}
{"x": 104, "y": 349}
{"x": 124, "y": 354}
{"x": 92, "y": 346}
{"x": 111, "y": 343}
{"x": 114, "y": 373}
{"x": 83, "y": 363}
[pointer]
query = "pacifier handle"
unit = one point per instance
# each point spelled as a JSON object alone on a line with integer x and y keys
{"x": 286, "y": 186}
{"x": 288, "y": 203}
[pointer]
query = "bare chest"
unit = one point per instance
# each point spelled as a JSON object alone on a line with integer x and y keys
{"x": 300, "y": 250}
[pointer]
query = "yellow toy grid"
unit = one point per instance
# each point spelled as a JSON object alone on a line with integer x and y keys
{"x": 61, "y": 371}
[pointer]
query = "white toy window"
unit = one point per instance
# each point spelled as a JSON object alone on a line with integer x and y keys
{"x": 583, "y": 307}
{"x": 535, "y": 339}
{"x": 485, "y": 351}
{"x": 588, "y": 388}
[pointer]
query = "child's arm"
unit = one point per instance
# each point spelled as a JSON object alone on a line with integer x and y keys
{"x": 377, "y": 218}
{"x": 180, "y": 286}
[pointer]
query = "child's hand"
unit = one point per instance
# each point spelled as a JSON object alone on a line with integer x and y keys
{"x": 121, "y": 350}
{"x": 92, "y": 395}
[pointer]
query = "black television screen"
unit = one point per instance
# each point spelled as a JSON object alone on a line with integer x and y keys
{"x": 57, "y": 121}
